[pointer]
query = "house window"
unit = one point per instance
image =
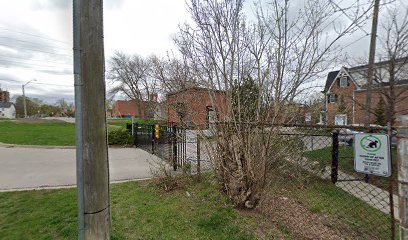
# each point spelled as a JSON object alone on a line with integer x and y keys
{"x": 340, "y": 119}
{"x": 211, "y": 115}
{"x": 343, "y": 82}
{"x": 332, "y": 98}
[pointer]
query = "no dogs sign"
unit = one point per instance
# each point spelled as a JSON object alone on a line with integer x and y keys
{"x": 372, "y": 154}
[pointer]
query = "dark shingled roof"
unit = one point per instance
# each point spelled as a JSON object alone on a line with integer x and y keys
{"x": 330, "y": 78}
{"x": 6, "y": 104}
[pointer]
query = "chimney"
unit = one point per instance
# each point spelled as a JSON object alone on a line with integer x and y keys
{"x": 4, "y": 96}
{"x": 153, "y": 97}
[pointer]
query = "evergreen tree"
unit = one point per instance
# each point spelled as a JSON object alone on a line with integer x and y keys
{"x": 245, "y": 99}
{"x": 380, "y": 113}
{"x": 342, "y": 108}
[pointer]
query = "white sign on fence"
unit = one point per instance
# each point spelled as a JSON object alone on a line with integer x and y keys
{"x": 372, "y": 154}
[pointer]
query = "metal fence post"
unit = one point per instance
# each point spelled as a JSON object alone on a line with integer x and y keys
{"x": 153, "y": 138}
{"x": 174, "y": 140}
{"x": 402, "y": 158}
{"x": 312, "y": 143}
{"x": 135, "y": 127}
{"x": 335, "y": 157}
{"x": 198, "y": 156}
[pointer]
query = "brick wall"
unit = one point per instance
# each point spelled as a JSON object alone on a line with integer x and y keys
{"x": 194, "y": 103}
{"x": 342, "y": 92}
{"x": 401, "y": 107}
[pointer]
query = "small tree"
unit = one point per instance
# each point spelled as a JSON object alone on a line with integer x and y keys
{"x": 380, "y": 113}
{"x": 342, "y": 108}
{"x": 245, "y": 100}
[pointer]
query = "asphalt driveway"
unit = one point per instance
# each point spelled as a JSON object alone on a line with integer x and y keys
{"x": 27, "y": 168}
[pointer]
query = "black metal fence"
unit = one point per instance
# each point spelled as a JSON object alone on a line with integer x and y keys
{"x": 177, "y": 145}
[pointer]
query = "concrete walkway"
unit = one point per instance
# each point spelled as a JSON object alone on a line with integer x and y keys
{"x": 28, "y": 168}
{"x": 370, "y": 194}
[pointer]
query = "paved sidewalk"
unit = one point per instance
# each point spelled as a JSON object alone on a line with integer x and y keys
{"x": 26, "y": 168}
{"x": 372, "y": 195}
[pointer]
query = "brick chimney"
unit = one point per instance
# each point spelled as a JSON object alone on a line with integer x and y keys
{"x": 153, "y": 97}
{"x": 4, "y": 96}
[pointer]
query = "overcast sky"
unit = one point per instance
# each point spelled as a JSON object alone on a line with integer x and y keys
{"x": 36, "y": 40}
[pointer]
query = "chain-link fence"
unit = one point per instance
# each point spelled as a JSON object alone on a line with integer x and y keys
{"x": 314, "y": 190}
{"x": 344, "y": 204}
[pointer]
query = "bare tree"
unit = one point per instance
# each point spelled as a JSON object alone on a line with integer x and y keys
{"x": 172, "y": 74}
{"x": 275, "y": 59}
{"x": 391, "y": 72}
{"x": 395, "y": 52}
{"x": 131, "y": 76}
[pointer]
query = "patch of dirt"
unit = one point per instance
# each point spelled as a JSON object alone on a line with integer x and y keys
{"x": 302, "y": 223}
{"x": 264, "y": 229}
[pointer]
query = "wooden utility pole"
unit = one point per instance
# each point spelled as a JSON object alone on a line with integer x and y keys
{"x": 402, "y": 158}
{"x": 371, "y": 59}
{"x": 92, "y": 151}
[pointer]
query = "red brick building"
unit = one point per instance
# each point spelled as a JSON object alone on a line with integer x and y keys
{"x": 196, "y": 106}
{"x": 345, "y": 93}
{"x": 130, "y": 108}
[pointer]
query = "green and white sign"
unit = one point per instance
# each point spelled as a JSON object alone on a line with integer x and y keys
{"x": 372, "y": 154}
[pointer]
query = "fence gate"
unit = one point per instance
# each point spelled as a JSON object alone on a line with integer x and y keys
{"x": 166, "y": 142}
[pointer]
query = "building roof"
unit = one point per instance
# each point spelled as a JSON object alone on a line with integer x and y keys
{"x": 330, "y": 78}
{"x": 130, "y": 108}
{"x": 358, "y": 74}
{"x": 6, "y": 104}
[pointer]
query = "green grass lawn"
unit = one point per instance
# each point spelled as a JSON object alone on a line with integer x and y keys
{"x": 43, "y": 133}
{"x": 324, "y": 198}
{"x": 123, "y": 121}
{"x": 346, "y": 163}
{"x": 338, "y": 209}
{"x": 49, "y": 133}
{"x": 139, "y": 211}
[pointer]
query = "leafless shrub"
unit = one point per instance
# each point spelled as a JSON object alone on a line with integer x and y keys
{"x": 165, "y": 178}
{"x": 265, "y": 68}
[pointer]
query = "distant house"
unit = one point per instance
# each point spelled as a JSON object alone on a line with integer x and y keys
{"x": 130, "y": 108}
{"x": 135, "y": 108}
{"x": 345, "y": 93}
{"x": 7, "y": 110}
{"x": 194, "y": 106}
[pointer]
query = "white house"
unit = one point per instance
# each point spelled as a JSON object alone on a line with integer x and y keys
{"x": 7, "y": 110}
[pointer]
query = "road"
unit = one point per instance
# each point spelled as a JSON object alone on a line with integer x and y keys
{"x": 27, "y": 168}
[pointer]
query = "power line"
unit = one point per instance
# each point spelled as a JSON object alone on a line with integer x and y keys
{"x": 39, "y": 83}
{"x": 36, "y": 60}
{"x": 24, "y": 41}
{"x": 25, "y": 63}
{"x": 34, "y": 50}
{"x": 34, "y": 35}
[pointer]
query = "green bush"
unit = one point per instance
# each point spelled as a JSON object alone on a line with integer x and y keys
{"x": 120, "y": 136}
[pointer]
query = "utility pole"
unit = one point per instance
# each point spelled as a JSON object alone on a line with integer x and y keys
{"x": 402, "y": 159}
{"x": 371, "y": 59}
{"x": 24, "y": 97}
{"x": 91, "y": 134}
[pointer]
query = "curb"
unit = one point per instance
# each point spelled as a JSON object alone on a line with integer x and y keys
{"x": 68, "y": 186}
{"x": 6, "y": 145}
